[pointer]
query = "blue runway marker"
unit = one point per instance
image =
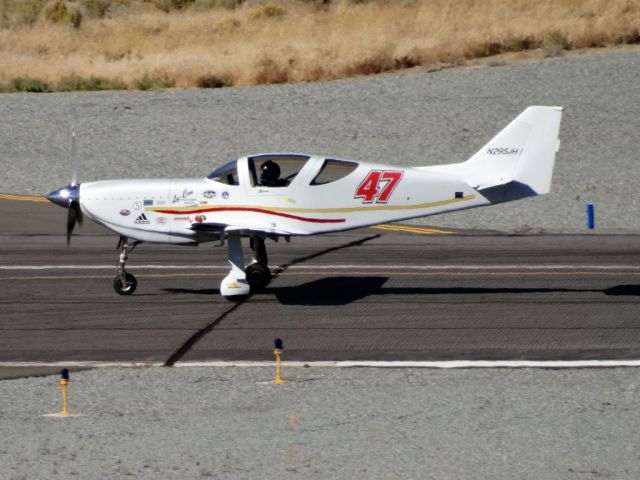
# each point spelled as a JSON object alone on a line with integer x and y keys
{"x": 591, "y": 217}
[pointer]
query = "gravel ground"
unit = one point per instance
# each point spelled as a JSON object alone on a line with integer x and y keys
{"x": 411, "y": 119}
{"x": 330, "y": 423}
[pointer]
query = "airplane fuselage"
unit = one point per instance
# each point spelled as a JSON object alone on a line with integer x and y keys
{"x": 166, "y": 210}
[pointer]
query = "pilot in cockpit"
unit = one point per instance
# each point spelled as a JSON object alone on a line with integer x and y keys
{"x": 270, "y": 175}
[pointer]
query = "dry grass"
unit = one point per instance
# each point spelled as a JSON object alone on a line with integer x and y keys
{"x": 296, "y": 41}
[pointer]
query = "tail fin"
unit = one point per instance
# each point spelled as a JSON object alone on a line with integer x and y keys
{"x": 523, "y": 154}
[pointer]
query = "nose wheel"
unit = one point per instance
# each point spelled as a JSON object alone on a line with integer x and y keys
{"x": 125, "y": 283}
{"x": 127, "y": 287}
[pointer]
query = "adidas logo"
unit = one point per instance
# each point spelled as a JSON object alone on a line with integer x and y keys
{"x": 142, "y": 219}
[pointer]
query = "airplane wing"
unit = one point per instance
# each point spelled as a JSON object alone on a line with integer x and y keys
{"x": 249, "y": 230}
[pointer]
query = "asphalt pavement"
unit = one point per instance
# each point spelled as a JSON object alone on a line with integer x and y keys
{"x": 373, "y": 294}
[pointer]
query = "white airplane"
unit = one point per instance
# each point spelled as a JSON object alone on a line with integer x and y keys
{"x": 288, "y": 194}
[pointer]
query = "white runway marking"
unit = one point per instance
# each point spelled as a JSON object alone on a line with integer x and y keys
{"x": 112, "y": 267}
{"x": 496, "y": 267}
{"x": 445, "y": 364}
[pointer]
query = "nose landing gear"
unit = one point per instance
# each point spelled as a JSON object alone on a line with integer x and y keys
{"x": 125, "y": 283}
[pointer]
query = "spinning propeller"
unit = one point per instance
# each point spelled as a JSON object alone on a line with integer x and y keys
{"x": 69, "y": 196}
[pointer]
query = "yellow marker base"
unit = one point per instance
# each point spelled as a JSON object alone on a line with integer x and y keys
{"x": 278, "y": 381}
{"x": 62, "y": 415}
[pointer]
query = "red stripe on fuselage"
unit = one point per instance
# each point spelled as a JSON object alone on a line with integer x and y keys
{"x": 248, "y": 209}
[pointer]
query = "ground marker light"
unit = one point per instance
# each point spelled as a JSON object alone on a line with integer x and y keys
{"x": 277, "y": 351}
{"x": 64, "y": 383}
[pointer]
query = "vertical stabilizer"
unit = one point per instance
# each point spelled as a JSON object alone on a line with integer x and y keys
{"x": 524, "y": 153}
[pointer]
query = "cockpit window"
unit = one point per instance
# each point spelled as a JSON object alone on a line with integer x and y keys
{"x": 275, "y": 170}
{"x": 227, "y": 173}
{"x": 333, "y": 170}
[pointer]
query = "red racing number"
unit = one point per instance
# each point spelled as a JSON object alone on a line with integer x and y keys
{"x": 378, "y": 186}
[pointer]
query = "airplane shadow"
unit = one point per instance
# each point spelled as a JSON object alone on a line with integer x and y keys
{"x": 329, "y": 291}
{"x": 621, "y": 290}
{"x": 345, "y": 290}
{"x": 193, "y": 291}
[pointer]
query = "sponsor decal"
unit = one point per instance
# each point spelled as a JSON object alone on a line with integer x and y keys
{"x": 148, "y": 202}
{"x": 182, "y": 219}
{"x": 142, "y": 220}
{"x": 162, "y": 220}
{"x": 137, "y": 205}
{"x": 209, "y": 194}
{"x": 200, "y": 218}
{"x": 185, "y": 197}
{"x": 502, "y": 151}
{"x": 378, "y": 186}
{"x": 124, "y": 212}
{"x": 204, "y": 202}
{"x": 225, "y": 195}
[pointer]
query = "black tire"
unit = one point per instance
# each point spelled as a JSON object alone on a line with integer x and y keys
{"x": 258, "y": 276}
{"x": 127, "y": 289}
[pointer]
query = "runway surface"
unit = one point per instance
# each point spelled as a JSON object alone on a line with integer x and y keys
{"x": 375, "y": 294}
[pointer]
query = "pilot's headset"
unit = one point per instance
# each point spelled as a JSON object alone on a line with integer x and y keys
{"x": 269, "y": 173}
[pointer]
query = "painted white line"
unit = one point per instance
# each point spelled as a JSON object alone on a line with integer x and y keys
{"x": 449, "y": 364}
{"x": 257, "y": 363}
{"x": 496, "y": 267}
{"x": 112, "y": 267}
{"x": 445, "y": 364}
{"x": 470, "y": 267}
{"x": 80, "y": 364}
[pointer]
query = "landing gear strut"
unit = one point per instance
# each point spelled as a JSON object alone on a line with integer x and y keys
{"x": 125, "y": 283}
{"x": 241, "y": 281}
{"x": 235, "y": 286}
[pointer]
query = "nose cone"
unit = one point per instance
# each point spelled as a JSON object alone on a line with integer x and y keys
{"x": 65, "y": 196}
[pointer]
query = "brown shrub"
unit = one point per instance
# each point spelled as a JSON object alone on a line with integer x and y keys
{"x": 270, "y": 71}
{"x": 267, "y": 11}
{"x": 555, "y": 41}
{"x": 58, "y": 12}
{"x": 214, "y": 81}
{"x": 518, "y": 44}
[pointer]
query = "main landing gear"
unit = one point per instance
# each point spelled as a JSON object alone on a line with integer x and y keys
{"x": 125, "y": 283}
{"x": 258, "y": 273}
{"x": 235, "y": 286}
{"x": 241, "y": 281}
